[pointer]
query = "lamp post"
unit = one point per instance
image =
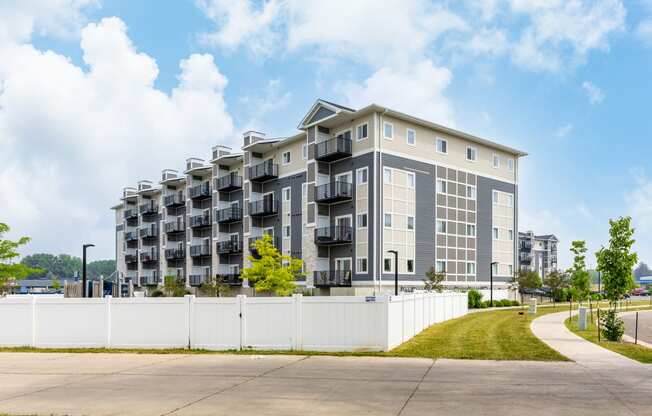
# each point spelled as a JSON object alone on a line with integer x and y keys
{"x": 395, "y": 253}
{"x": 85, "y": 246}
{"x": 491, "y": 283}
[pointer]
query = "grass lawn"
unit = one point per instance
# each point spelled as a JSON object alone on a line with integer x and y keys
{"x": 636, "y": 352}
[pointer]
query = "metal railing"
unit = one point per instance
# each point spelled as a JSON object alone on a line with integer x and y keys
{"x": 175, "y": 253}
{"x": 332, "y": 149}
{"x": 228, "y": 247}
{"x": 333, "y": 278}
{"x": 231, "y": 214}
{"x": 149, "y": 232}
{"x": 149, "y": 208}
{"x": 199, "y": 250}
{"x": 228, "y": 182}
{"x": 263, "y": 171}
{"x": 334, "y": 191}
{"x": 175, "y": 226}
{"x": 131, "y": 236}
{"x": 334, "y": 234}
{"x": 202, "y": 220}
{"x": 266, "y": 206}
{"x": 200, "y": 191}
{"x": 149, "y": 256}
{"x": 175, "y": 199}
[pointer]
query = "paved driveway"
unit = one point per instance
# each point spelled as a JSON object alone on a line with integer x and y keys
{"x": 644, "y": 325}
{"x": 115, "y": 384}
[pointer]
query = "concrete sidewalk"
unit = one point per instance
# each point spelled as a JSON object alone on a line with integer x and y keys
{"x": 143, "y": 384}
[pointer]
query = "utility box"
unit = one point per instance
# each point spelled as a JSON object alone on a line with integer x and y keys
{"x": 532, "y": 310}
{"x": 582, "y": 318}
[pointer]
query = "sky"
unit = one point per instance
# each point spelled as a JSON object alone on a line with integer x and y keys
{"x": 98, "y": 94}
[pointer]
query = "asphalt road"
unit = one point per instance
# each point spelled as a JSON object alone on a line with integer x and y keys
{"x": 644, "y": 325}
{"x": 116, "y": 384}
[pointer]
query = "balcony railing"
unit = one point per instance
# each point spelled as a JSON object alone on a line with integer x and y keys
{"x": 131, "y": 214}
{"x": 230, "y": 214}
{"x": 199, "y": 279}
{"x": 252, "y": 245}
{"x": 202, "y": 191}
{"x": 175, "y": 253}
{"x": 230, "y": 182}
{"x": 228, "y": 247}
{"x": 332, "y": 278}
{"x": 334, "y": 192}
{"x": 264, "y": 207}
{"x": 150, "y": 231}
{"x": 333, "y": 149}
{"x": 203, "y": 220}
{"x": 177, "y": 226}
{"x": 174, "y": 200}
{"x": 131, "y": 258}
{"x": 149, "y": 279}
{"x": 263, "y": 172}
{"x": 231, "y": 279}
{"x": 200, "y": 250}
{"x": 149, "y": 256}
{"x": 149, "y": 208}
{"x": 525, "y": 258}
{"x": 131, "y": 236}
{"x": 336, "y": 234}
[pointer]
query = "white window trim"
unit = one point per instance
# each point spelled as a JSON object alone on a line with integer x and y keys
{"x": 510, "y": 165}
{"x": 349, "y": 216}
{"x": 357, "y": 268}
{"x": 289, "y": 153}
{"x": 495, "y": 157}
{"x": 358, "y": 139}
{"x": 289, "y": 227}
{"x": 347, "y": 173}
{"x": 444, "y": 186}
{"x": 414, "y": 180}
{"x": 495, "y": 197}
{"x": 444, "y": 264}
{"x": 357, "y": 223}
{"x": 437, "y": 140}
{"x": 475, "y": 151}
{"x": 495, "y": 235}
{"x": 357, "y": 175}
{"x": 304, "y": 152}
{"x": 386, "y": 123}
{"x": 391, "y": 220}
{"x": 267, "y": 229}
{"x": 445, "y": 227}
{"x": 407, "y": 133}
{"x": 287, "y": 188}
{"x": 344, "y": 258}
{"x": 414, "y": 266}
{"x": 466, "y": 271}
{"x": 475, "y": 192}
{"x": 391, "y": 175}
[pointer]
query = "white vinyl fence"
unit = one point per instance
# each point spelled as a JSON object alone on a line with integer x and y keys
{"x": 324, "y": 323}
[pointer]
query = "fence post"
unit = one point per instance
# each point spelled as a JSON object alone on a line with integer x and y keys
{"x": 385, "y": 337}
{"x": 242, "y": 301}
{"x": 107, "y": 303}
{"x": 191, "y": 313}
{"x": 636, "y": 330}
{"x": 34, "y": 320}
{"x": 298, "y": 334}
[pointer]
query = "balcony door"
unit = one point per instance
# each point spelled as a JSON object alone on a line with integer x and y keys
{"x": 343, "y": 228}
{"x": 343, "y": 265}
{"x": 343, "y": 183}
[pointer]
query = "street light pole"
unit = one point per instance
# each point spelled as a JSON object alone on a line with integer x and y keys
{"x": 395, "y": 253}
{"x": 84, "y": 247}
{"x": 491, "y": 284}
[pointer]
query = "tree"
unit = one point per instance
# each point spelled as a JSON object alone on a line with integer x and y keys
{"x": 10, "y": 271}
{"x": 580, "y": 279}
{"x": 56, "y": 284}
{"x": 433, "y": 281}
{"x": 616, "y": 261}
{"x": 527, "y": 279}
{"x": 557, "y": 281}
{"x": 272, "y": 272}
{"x": 172, "y": 287}
{"x": 64, "y": 266}
{"x": 215, "y": 287}
{"x": 99, "y": 268}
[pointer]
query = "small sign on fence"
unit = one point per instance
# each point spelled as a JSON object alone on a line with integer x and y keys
{"x": 369, "y": 298}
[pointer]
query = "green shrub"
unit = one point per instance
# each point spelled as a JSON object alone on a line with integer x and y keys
{"x": 482, "y": 305}
{"x": 612, "y": 327}
{"x": 475, "y": 299}
{"x": 505, "y": 303}
{"x": 516, "y": 303}
{"x": 157, "y": 293}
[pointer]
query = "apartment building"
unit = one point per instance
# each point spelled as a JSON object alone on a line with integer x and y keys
{"x": 537, "y": 252}
{"x": 349, "y": 187}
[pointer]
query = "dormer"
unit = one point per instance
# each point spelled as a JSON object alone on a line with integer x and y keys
{"x": 128, "y": 192}
{"x": 168, "y": 174}
{"x": 144, "y": 185}
{"x": 252, "y": 136}
{"x": 321, "y": 111}
{"x": 219, "y": 151}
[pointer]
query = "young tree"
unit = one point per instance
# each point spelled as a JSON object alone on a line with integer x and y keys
{"x": 272, "y": 272}
{"x": 557, "y": 281}
{"x": 56, "y": 285}
{"x": 215, "y": 287}
{"x": 434, "y": 280}
{"x": 580, "y": 279}
{"x": 10, "y": 271}
{"x": 525, "y": 279}
{"x": 172, "y": 287}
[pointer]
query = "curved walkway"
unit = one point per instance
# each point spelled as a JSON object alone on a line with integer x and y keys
{"x": 551, "y": 330}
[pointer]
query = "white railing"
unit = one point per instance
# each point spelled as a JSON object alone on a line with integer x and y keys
{"x": 331, "y": 323}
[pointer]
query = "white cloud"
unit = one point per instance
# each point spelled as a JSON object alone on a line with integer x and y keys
{"x": 72, "y": 137}
{"x": 418, "y": 91}
{"x": 564, "y": 130}
{"x": 639, "y": 206}
{"x": 595, "y": 94}
{"x": 273, "y": 99}
{"x": 644, "y": 31}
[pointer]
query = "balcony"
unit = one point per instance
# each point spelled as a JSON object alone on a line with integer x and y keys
{"x": 336, "y": 234}
{"x": 333, "y": 192}
{"x": 263, "y": 172}
{"x": 228, "y": 183}
{"x": 131, "y": 258}
{"x": 175, "y": 253}
{"x": 131, "y": 236}
{"x": 252, "y": 240}
{"x": 177, "y": 226}
{"x": 230, "y": 279}
{"x": 332, "y": 278}
{"x": 333, "y": 149}
{"x": 199, "y": 279}
{"x": 149, "y": 256}
{"x": 174, "y": 200}
{"x": 263, "y": 208}
{"x": 149, "y": 279}
{"x": 199, "y": 221}
{"x": 149, "y": 231}
{"x": 200, "y": 250}
{"x": 131, "y": 214}
{"x": 227, "y": 215}
{"x": 149, "y": 208}
{"x": 202, "y": 191}
{"x": 229, "y": 247}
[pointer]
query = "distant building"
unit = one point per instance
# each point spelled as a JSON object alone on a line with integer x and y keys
{"x": 26, "y": 286}
{"x": 537, "y": 252}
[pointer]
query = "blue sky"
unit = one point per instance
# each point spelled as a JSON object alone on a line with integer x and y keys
{"x": 566, "y": 81}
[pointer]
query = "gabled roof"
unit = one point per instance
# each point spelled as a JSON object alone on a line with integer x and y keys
{"x": 321, "y": 110}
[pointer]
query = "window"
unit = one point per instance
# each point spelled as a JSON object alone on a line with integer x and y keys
{"x": 410, "y": 180}
{"x": 410, "y": 223}
{"x": 470, "y": 268}
{"x": 361, "y": 134}
{"x": 286, "y": 231}
{"x": 470, "y": 230}
{"x": 304, "y": 152}
{"x": 286, "y": 158}
{"x": 361, "y": 265}
{"x": 388, "y": 130}
{"x": 495, "y": 196}
{"x": 496, "y": 161}
{"x": 287, "y": 195}
{"x": 441, "y": 186}
{"x": 387, "y": 265}
{"x": 387, "y": 175}
{"x": 440, "y": 266}
{"x": 441, "y": 226}
{"x": 494, "y": 268}
{"x": 362, "y": 220}
{"x": 411, "y": 137}
{"x": 510, "y": 165}
{"x": 495, "y": 233}
{"x": 510, "y": 200}
{"x": 510, "y": 234}
{"x": 388, "y": 220}
{"x": 442, "y": 146}
{"x": 510, "y": 269}
{"x": 470, "y": 192}
{"x": 471, "y": 154}
{"x": 410, "y": 265}
{"x": 362, "y": 175}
